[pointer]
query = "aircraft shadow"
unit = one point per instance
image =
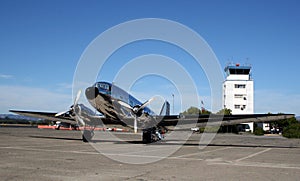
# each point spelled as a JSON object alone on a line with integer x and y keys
{"x": 159, "y": 143}
{"x": 56, "y": 138}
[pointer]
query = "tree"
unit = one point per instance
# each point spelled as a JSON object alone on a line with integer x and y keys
{"x": 192, "y": 110}
{"x": 290, "y": 127}
{"x": 195, "y": 110}
{"x": 204, "y": 111}
{"x": 284, "y": 123}
{"x": 225, "y": 111}
{"x": 292, "y": 131}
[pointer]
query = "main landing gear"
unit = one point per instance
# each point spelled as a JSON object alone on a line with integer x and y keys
{"x": 87, "y": 135}
{"x": 151, "y": 135}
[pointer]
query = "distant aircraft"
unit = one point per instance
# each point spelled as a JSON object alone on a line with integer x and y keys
{"x": 120, "y": 108}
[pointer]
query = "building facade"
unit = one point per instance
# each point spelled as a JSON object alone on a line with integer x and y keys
{"x": 238, "y": 90}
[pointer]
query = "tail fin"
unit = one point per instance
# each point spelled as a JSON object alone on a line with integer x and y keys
{"x": 165, "y": 109}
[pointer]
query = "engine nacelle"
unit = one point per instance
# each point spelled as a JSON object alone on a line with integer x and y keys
{"x": 91, "y": 92}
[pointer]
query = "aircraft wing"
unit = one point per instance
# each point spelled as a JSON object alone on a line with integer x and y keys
{"x": 186, "y": 122}
{"x": 46, "y": 115}
{"x": 66, "y": 118}
{"x": 219, "y": 120}
{"x": 169, "y": 121}
{"x": 189, "y": 121}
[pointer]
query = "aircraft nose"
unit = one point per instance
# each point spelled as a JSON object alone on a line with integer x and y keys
{"x": 91, "y": 92}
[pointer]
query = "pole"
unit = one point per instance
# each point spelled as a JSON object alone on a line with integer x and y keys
{"x": 173, "y": 102}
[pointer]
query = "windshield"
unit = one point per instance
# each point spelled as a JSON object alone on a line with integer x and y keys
{"x": 103, "y": 86}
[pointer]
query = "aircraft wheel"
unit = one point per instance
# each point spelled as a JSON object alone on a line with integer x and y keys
{"x": 87, "y": 135}
{"x": 147, "y": 136}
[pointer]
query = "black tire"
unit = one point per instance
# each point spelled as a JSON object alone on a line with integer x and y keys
{"x": 87, "y": 136}
{"x": 84, "y": 139}
{"x": 147, "y": 136}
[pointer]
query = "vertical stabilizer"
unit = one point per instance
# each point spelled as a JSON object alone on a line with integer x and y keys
{"x": 165, "y": 109}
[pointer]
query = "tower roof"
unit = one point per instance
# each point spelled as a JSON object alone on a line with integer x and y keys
{"x": 237, "y": 69}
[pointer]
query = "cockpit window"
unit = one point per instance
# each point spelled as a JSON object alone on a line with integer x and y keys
{"x": 103, "y": 86}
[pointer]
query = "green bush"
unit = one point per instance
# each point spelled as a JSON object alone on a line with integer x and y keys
{"x": 209, "y": 129}
{"x": 292, "y": 131}
{"x": 258, "y": 131}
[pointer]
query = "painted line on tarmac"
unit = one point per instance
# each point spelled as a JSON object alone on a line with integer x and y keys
{"x": 97, "y": 153}
{"x": 258, "y": 165}
{"x": 46, "y": 150}
{"x": 152, "y": 156}
{"x": 47, "y": 146}
{"x": 203, "y": 152}
{"x": 109, "y": 146}
{"x": 252, "y": 155}
{"x": 147, "y": 151}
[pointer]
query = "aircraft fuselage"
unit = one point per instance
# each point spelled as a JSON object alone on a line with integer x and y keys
{"x": 105, "y": 98}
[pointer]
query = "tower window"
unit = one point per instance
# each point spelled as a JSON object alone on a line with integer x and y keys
{"x": 237, "y": 106}
{"x": 239, "y": 86}
{"x": 243, "y": 107}
{"x": 238, "y": 96}
{"x": 239, "y": 71}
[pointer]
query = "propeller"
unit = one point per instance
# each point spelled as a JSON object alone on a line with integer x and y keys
{"x": 71, "y": 109}
{"x": 125, "y": 105}
{"x": 61, "y": 113}
{"x": 136, "y": 110}
{"x": 77, "y": 97}
{"x": 145, "y": 104}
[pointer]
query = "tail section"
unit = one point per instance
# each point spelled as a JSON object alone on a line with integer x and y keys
{"x": 165, "y": 109}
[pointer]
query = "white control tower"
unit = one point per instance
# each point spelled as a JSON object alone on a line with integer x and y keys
{"x": 238, "y": 90}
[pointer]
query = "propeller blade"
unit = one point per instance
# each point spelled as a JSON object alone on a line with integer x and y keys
{"x": 72, "y": 107}
{"x": 77, "y": 98}
{"x": 125, "y": 104}
{"x": 60, "y": 113}
{"x": 146, "y": 103}
{"x": 135, "y": 124}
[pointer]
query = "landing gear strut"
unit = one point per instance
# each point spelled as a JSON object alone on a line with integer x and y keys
{"x": 152, "y": 135}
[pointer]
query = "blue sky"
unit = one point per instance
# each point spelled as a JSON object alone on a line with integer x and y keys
{"x": 42, "y": 41}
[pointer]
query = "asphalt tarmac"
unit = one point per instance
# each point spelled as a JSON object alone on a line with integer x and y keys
{"x": 36, "y": 154}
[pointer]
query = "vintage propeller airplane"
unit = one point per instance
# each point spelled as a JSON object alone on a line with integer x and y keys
{"x": 118, "y": 107}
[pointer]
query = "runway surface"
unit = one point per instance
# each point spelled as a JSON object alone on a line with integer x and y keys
{"x": 35, "y": 154}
